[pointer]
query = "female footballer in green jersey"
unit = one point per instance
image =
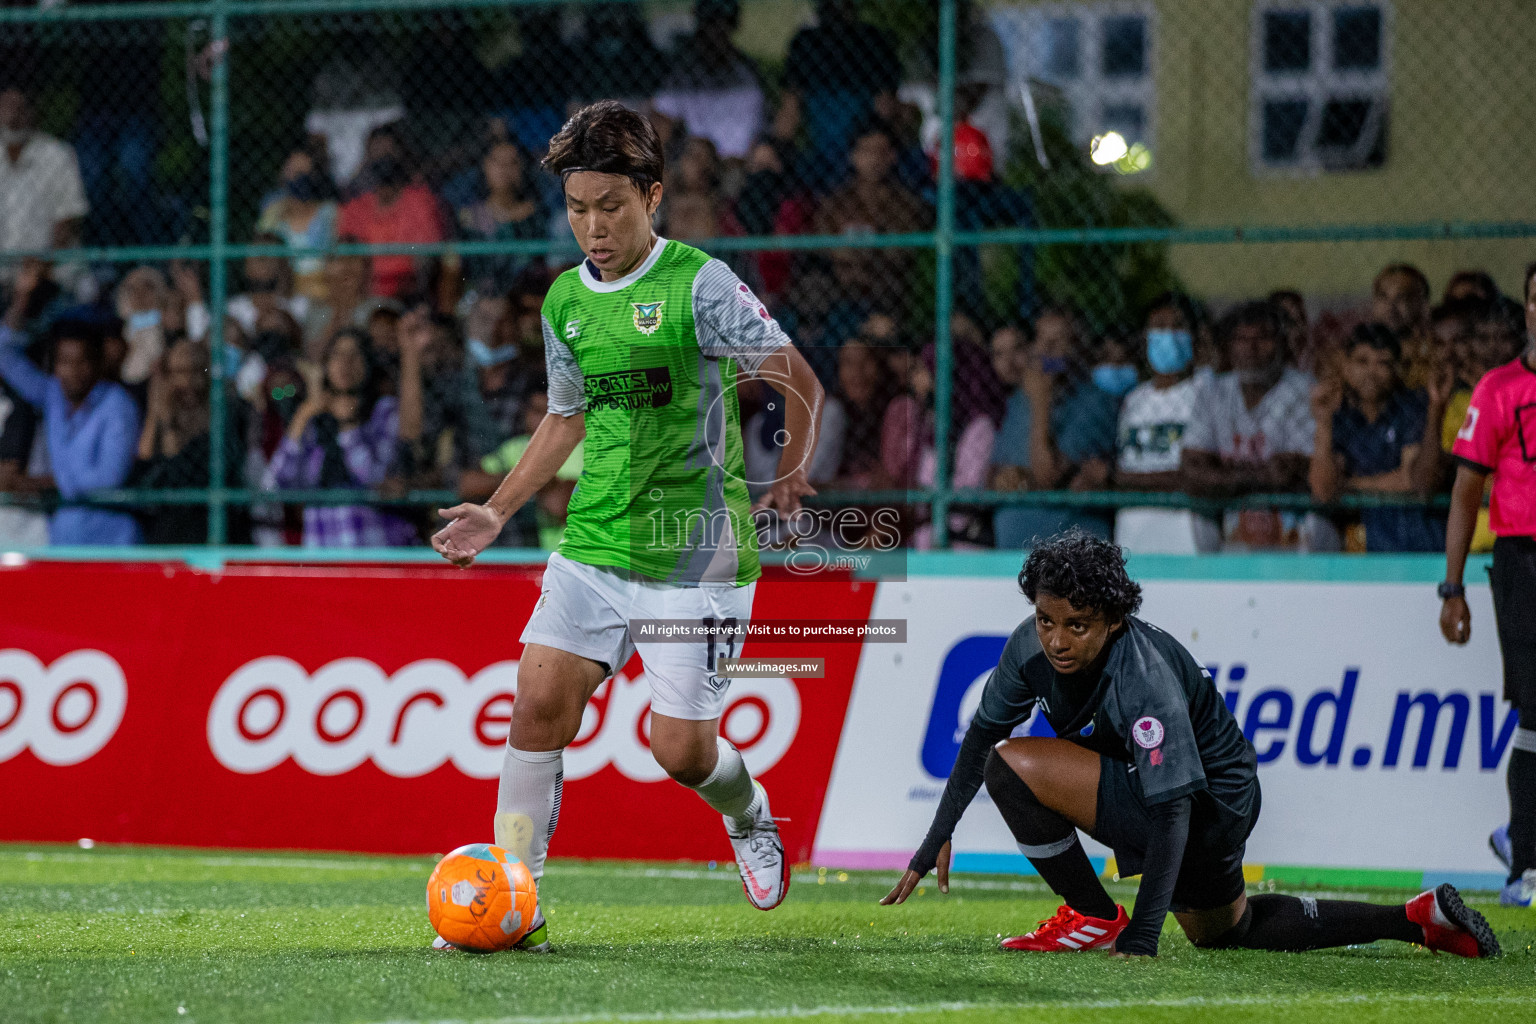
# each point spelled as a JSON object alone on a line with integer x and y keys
{"x": 643, "y": 341}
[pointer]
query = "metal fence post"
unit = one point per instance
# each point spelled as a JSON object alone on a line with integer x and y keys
{"x": 218, "y": 238}
{"x": 943, "y": 253}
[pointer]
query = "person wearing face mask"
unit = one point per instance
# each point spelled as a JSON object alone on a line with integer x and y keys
{"x": 175, "y": 445}
{"x": 141, "y": 299}
{"x": 1150, "y": 438}
{"x": 395, "y": 210}
{"x": 42, "y": 200}
{"x": 1252, "y": 433}
{"x": 1115, "y": 373}
{"x": 1058, "y": 431}
{"x": 303, "y": 216}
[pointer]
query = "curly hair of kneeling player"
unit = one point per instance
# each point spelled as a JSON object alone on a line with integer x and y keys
{"x": 1083, "y": 569}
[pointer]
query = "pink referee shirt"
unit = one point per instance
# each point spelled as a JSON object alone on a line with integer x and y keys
{"x": 1499, "y": 437}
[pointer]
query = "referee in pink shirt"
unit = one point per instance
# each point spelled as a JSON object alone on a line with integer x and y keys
{"x": 1498, "y": 439}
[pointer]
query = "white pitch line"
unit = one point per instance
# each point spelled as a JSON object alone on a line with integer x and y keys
{"x": 809, "y": 1012}
{"x": 209, "y": 861}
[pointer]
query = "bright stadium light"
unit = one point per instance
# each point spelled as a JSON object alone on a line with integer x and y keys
{"x": 1107, "y": 148}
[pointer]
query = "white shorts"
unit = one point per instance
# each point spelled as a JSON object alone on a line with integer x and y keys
{"x": 586, "y": 610}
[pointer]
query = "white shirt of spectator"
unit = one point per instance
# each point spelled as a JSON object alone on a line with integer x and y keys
{"x": 1280, "y": 424}
{"x": 38, "y": 191}
{"x": 1151, "y": 440}
{"x": 730, "y": 117}
{"x": 1152, "y": 425}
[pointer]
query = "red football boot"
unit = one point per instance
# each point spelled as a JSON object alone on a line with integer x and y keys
{"x": 1451, "y": 926}
{"x": 1070, "y": 932}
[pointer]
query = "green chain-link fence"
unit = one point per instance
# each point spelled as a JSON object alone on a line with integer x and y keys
{"x": 1124, "y": 298}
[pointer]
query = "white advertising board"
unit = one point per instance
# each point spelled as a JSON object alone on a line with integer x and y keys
{"x": 1380, "y": 746}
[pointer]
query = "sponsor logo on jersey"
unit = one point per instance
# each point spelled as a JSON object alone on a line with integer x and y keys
{"x": 647, "y": 316}
{"x": 428, "y": 713}
{"x": 1147, "y": 732}
{"x": 648, "y": 388}
{"x": 572, "y": 330}
{"x": 746, "y": 298}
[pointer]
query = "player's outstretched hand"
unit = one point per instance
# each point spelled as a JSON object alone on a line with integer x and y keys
{"x": 910, "y": 878}
{"x": 471, "y": 529}
{"x": 785, "y": 493}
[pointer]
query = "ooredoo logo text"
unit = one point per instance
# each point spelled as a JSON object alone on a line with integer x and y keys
{"x": 428, "y": 714}
{"x": 64, "y": 712}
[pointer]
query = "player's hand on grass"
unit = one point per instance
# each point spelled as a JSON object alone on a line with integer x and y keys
{"x": 471, "y": 529}
{"x": 910, "y": 878}
{"x": 1455, "y": 620}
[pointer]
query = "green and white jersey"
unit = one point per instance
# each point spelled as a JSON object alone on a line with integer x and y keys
{"x": 651, "y": 361}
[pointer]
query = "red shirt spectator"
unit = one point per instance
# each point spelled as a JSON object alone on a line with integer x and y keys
{"x": 1499, "y": 437}
{"x": 393, "y": 212}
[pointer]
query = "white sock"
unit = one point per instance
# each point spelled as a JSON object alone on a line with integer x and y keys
{"x": 729, "y": 788}
{"x": 528, "y": 804}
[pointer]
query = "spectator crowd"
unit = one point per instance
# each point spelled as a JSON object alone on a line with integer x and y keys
{"x": 401, "y": 373}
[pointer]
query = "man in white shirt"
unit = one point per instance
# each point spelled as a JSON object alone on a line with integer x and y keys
{"x": 41, "y": 198}
{"x": 1252, "y": 433}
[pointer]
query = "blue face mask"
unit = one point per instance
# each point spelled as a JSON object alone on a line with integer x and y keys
{"x": 145, "y": 319}
{"x": 1169, "y": 351}
{"x": 483, "y": 355}
{"x": 1116, "y": 379}
{"x": 1053, "y": 364}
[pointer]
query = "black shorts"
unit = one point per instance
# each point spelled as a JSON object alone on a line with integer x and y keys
{"x": 1513, "y": 579}
{"x": 1211, "y": 874}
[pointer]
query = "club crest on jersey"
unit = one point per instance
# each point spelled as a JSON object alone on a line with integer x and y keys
{"x": 647, "y": 316}
{"x": 1147, "y": 732}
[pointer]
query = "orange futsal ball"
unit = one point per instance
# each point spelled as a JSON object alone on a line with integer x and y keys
{"x": 481, "y": 898}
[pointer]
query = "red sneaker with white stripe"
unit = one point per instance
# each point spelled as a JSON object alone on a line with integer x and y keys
{"x": 1450, "y": 926}
{"x": 1070, "y": 932}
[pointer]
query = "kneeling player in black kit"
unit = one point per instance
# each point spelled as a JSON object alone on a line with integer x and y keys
{"x": 1150, "y": 763}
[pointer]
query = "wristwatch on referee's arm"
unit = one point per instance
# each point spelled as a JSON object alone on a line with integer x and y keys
{"x": 1448, "y": 590}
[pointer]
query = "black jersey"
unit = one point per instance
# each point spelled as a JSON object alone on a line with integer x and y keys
{"x": 1150, "y": 705}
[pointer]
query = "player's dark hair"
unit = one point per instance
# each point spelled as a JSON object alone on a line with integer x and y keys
{"x": 1083, "y": 570}
{"x": 609, "y": 138}
{"x": 1374, "y": 335}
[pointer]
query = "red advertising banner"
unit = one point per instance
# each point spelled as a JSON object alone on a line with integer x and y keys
{"x": 357, "y": 708}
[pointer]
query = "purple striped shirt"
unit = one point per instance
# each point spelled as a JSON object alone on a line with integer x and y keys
{"x": 369, "y": 451}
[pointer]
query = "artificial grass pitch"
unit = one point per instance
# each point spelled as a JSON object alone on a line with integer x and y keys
{"x": 133, "y": 934}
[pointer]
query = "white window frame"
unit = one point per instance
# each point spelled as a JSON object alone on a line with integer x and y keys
{"x": 1318, "y": 85}
{"x": 1091, "y": 91}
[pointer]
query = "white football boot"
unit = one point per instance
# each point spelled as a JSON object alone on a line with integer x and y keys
{"x": 760, "y": 856}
